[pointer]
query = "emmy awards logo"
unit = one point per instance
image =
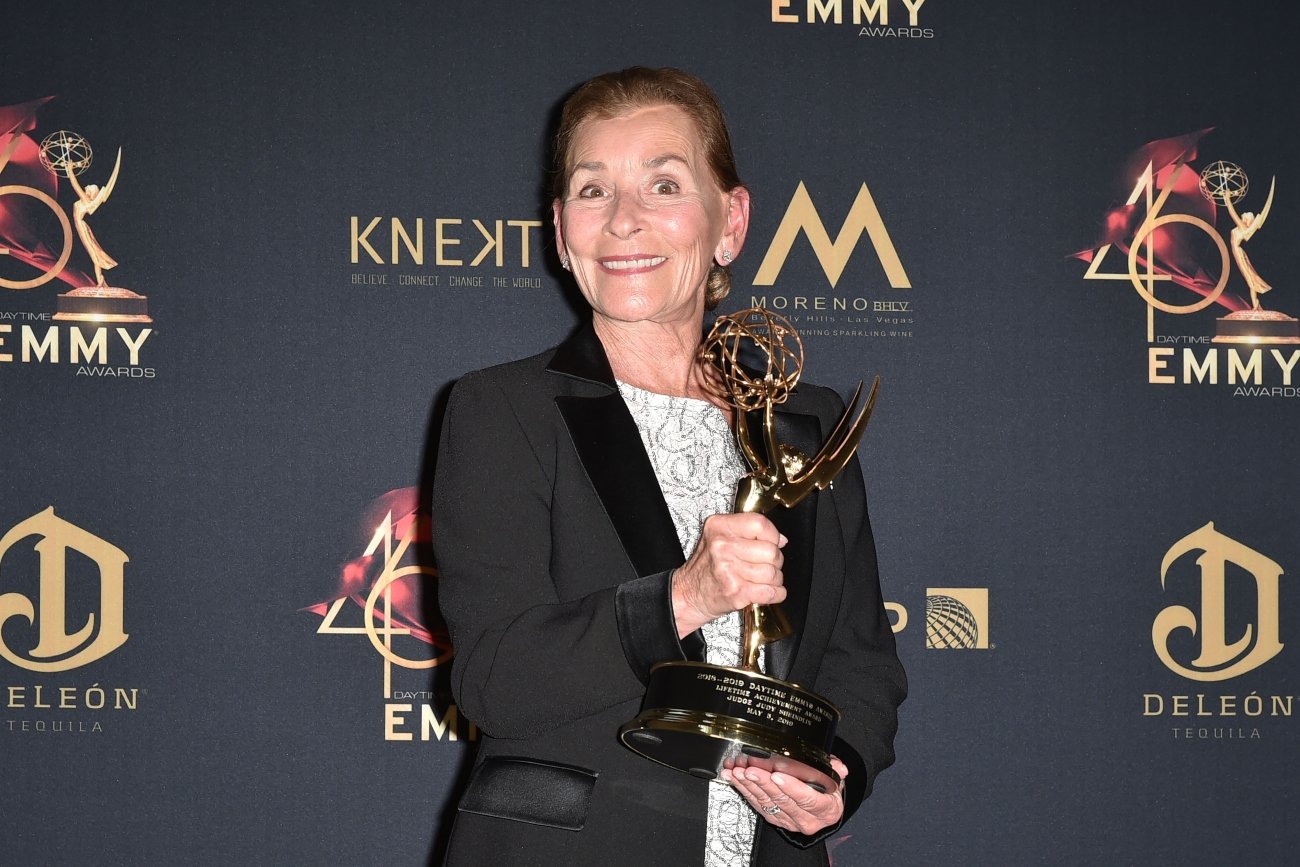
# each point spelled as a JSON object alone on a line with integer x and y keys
{"x": 69, "y": 155}
{"x": 699, "y": 717}
{"x": 1225, "y": 184}
{"x": 1162, "y": 231}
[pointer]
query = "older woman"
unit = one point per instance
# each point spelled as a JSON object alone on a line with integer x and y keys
{"x": 581, "y": 508}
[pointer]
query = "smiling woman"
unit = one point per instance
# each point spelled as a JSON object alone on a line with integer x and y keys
{"x": 642, "y": 221}
{"x": 584, "y": 497}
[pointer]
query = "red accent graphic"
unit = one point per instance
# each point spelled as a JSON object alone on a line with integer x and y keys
{"x": 26, "y": 226}
{"x": 1178, "y": 251}
{"x": 357, "y": 576}
{"x": 833, "y": 844}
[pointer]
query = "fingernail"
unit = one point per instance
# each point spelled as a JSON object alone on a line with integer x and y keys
{"x": 778, "y": 779}
{"x": 783, "y": 541}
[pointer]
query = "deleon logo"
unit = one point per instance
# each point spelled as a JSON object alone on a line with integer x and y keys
{"x": 57, "y": 649}
{"x": 1219, "y": 658}
{"x": 802, "y": 216}
{"x": 956, "y": 618}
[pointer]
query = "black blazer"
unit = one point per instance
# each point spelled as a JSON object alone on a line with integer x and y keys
{"x": 555, "y": 550}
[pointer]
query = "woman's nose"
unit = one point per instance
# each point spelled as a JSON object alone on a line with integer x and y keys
{"x": 626, "y": 216}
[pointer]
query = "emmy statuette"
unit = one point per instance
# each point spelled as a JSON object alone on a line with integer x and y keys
{"x": 68, "y": 154}
{"x": 1225, "y": 184}
{"x": 698, "y": 717}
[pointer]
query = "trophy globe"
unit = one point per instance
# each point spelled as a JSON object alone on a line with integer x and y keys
{"x": 1225, "y": 184}
{"x": 1223, "y": 181}
{"x": 65, "y": 153}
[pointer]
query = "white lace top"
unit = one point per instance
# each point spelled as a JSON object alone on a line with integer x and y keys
{"x": 693, "y": 452}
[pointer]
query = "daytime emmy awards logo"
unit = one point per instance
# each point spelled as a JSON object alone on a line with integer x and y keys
{"x": 97, "y": 327}
{"x": 390, "y": 585}
{"x": 36, "y": 170}
{"x": 1157, "y": 242}
{"x": 871, "y": 17}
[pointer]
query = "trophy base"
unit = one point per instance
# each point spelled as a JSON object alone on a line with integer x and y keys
{"x": 701, "y": 718}
{"x": 1257, "y": 326}
{"x": 102, "y": 304}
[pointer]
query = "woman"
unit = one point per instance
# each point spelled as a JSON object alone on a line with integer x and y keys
{"x": 570, "y": 488}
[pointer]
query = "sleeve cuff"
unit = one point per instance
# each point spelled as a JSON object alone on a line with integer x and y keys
{"x": 646, "y": 627}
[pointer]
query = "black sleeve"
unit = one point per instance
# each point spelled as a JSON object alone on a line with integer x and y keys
{"x": 527, "y": 661}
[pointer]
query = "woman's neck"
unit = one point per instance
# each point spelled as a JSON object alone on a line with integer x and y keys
{"x": 656, "y": 357}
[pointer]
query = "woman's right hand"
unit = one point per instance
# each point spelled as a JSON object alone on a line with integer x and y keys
{"x": 736, "y": 563}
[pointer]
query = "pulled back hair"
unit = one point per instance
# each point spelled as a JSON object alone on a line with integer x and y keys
{"x": 615, "y": 94}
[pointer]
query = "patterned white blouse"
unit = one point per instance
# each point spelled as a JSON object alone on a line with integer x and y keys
{"x": 693, "y": 452}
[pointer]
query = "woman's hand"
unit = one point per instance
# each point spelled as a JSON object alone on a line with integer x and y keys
{"x": 736, "y": 563}
{"x": 788, "y": 803}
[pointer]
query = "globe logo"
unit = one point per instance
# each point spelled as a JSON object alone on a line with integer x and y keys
{"x": 65, "y": 153}
{"x": 949, "y": 624}
{"x": 1223, "y": 181}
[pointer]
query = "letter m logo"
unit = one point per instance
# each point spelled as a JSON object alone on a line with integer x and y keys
{"x": 802, "y": 215}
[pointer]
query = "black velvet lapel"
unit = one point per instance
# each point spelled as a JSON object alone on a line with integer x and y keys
{"x": 610, "y": 448}
{"x": 799, "y": 526}
{"x": 582, "y": 356}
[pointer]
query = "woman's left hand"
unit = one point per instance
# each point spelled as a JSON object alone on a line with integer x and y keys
{"x": 799, "y": 807}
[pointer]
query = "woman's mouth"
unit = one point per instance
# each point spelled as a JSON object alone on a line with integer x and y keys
{"x": 634, "y": 263}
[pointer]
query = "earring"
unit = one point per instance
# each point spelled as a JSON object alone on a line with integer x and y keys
{"x": 726, "y": 257}
{"x": 564, "y": 261}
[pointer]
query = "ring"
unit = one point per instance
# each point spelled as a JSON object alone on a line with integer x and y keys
{"x": 772, "y": 809}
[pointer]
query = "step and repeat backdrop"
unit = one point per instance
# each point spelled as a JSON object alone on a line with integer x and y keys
{"x": 245, "y": 248}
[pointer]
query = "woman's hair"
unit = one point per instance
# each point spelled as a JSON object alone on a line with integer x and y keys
{"x": 615, "y": 94}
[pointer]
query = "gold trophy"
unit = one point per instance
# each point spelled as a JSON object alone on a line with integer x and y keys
{"x": 1225, "y": 184}
{"x": 698, "y": 717}
{"x": 68, "y": 154}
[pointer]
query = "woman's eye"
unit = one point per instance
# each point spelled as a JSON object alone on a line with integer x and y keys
{"x": 591, "y": 191}
{"x": 664, "y": 188}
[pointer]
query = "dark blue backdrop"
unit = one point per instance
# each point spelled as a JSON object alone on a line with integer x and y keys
{"x": 1020, "y": 453}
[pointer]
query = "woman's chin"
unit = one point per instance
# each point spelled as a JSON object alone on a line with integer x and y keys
{"x": 636, "y": 309}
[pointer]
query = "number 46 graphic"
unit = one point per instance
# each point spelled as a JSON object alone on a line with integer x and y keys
{"x": 1144, "y": 272}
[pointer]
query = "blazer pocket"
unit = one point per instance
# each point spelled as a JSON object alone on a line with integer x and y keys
{"x": 529, "y": 790}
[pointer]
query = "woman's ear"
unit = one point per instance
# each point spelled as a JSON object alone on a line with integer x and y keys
{"x": 557, "y": 221}
{"x": 737, "y": 225}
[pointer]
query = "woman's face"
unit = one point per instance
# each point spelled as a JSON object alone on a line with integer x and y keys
{"x": 643, "y": 219}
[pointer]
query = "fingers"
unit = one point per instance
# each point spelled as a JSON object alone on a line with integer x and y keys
{"x": 737, "y": 562}
{"x": 800, "y": 807}
{"x": 760, "y": 562}
{"x": 743, "y": 547}
{"x": 750, "y": 525}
